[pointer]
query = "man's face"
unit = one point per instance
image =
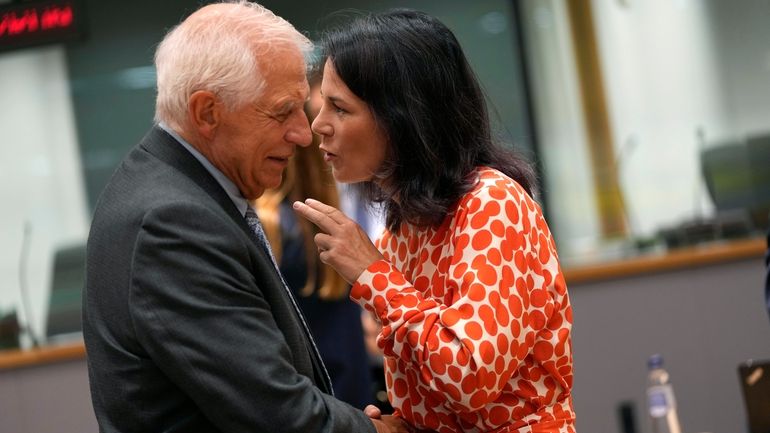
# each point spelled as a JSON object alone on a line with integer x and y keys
{"x": 253, "y": 144}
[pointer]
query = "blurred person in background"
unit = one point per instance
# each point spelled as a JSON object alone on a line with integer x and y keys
{"x": 322, "y": 294}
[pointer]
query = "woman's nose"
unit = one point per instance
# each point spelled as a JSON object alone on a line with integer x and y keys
{"x": 320, "y": 126}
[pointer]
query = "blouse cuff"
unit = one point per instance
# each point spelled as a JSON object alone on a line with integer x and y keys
{"x": 377, "y": 285}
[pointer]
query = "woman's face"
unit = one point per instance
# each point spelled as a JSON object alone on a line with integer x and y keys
{"x": 352, "y": 142}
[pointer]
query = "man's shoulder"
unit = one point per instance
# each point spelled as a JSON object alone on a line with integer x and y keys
{"x": 142, "y": 183}
{"x": 140, "y": 177}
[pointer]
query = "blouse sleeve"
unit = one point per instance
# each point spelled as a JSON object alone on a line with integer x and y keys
{"x": 498, "y": 286}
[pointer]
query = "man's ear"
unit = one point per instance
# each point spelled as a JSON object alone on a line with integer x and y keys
{"x": 203, "y": 111}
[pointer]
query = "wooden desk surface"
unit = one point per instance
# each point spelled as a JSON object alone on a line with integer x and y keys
{"x": 11, "y": 359}
{"x": 679, "y": 259}
{"x": 700, "y": 255}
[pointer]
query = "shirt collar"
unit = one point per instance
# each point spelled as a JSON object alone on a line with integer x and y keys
{"x": 232, "y": 191}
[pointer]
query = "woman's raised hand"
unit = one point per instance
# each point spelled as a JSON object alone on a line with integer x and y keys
{"x": 342, "y": 244}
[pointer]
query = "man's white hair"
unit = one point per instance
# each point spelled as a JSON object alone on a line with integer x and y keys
{"x": 221, "y": 48}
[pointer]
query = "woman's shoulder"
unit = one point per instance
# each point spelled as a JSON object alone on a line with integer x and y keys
{"x": 493, "y": 184}
{"x": 495, "y": 195}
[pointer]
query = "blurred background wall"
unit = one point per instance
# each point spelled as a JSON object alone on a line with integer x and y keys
{"x": 641, "y": 116}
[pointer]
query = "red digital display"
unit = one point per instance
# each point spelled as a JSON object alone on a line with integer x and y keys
{"x": 35, "y": 23}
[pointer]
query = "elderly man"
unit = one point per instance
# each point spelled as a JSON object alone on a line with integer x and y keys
{"x": 188, "y": 325}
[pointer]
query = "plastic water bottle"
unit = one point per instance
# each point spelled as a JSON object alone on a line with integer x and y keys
{"x": 661, "y": 404}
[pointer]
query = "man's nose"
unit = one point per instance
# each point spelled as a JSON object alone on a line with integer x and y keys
{"x": 299, "y": 133}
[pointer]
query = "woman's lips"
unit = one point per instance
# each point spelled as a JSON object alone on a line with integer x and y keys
{"x": 328, "y": 156}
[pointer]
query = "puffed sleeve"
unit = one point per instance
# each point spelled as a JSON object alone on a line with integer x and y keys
{"x": 495, "y": 299}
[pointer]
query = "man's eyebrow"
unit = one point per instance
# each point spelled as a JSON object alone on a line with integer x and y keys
{"x": 285, "y": 107}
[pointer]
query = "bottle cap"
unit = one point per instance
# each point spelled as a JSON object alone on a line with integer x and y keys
{"x": 655, "y": 361}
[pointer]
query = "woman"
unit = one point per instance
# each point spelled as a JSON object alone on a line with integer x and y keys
{"x": 465, "y": 281}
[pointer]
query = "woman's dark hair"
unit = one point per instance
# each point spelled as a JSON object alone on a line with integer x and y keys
{"x": 411, "y": 71}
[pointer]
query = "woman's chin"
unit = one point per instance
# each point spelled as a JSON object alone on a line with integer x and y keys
{"x": 341, "y": 176}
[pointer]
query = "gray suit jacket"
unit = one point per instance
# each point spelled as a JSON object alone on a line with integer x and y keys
{"x": 186, "y": 323}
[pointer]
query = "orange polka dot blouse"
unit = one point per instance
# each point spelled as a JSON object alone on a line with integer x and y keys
{"x": 476, "y": 317}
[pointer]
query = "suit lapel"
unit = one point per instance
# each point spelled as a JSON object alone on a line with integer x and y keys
{"x": 166, "y": 148}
